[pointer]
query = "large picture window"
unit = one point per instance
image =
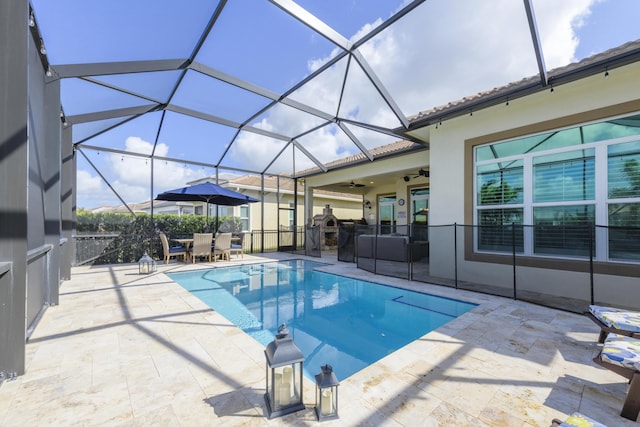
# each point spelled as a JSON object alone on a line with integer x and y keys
{"x": 552, "y": 194}
{"x": 564, "y": 177}
{"x": 499, "y": 188}
{"x": 623, "y": 211}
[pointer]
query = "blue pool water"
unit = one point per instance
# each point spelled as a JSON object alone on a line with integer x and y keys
{"x": 347, "y": 323}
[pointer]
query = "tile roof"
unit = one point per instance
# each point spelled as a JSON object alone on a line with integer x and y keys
{"x": 398, "y": 147}
{"x": 557, "y": 75}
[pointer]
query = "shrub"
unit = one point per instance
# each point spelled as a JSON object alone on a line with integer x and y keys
{"x": 139, "y": 234}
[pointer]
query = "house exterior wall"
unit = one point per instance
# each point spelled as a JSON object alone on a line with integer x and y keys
{"x": 398, "y": 187}
{"x": 452, "y": 177}
{"x": 342, "y": 209}
{"x": 174, "y": 209}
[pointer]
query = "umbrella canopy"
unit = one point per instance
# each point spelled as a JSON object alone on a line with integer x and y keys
{"x": 207, "y": 192}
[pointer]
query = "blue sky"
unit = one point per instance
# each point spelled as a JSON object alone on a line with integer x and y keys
{"x": 442, "y": 51}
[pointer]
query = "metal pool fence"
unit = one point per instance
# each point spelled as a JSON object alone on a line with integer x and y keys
{"x": 565, "y": 267}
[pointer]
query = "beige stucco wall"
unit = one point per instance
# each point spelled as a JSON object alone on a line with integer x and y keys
{"x": 451, "y": 188}
{"x": 397, "y": 186}
{"x": 342, "y": 209}
{"x": 451, "y": 172}
{"x": 574, "y": 102}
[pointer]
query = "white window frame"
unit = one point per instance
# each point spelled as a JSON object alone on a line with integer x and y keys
{"x": 600, "y": 200}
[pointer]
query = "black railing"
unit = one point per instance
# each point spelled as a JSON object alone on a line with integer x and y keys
{"x": 565, "y": 267}
{"x": 556, "y": 266}
{"x": 90, "y": 247}
{"x": 313, "y": 243}
{"x": 113, "y": 248}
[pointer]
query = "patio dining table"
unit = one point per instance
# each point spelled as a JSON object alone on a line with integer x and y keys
{"x": 188, "y": 241}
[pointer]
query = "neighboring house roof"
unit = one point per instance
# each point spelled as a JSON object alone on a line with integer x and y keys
{"x": 222, "y": 177}
{"x": 100, "y": 209}
{"x": 138, "y": 207}
{"x": 244, "y": 182}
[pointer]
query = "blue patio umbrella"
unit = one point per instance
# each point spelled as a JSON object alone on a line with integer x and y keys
{"x": 207, "y": 192}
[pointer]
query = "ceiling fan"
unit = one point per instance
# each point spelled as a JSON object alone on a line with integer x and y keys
{"x": 421, "y": 172}
{"x": 352, "y": 185}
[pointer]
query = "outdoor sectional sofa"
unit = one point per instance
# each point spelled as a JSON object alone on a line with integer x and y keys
{"x": 387, "y": 247}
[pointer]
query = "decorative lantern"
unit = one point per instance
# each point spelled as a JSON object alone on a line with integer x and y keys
{"x": 326, "y": 394}
{"x": 146, "y": 265}
{"x": 284, "y": 375}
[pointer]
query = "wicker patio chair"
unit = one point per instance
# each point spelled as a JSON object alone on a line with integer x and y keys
{"x": 172, "y": 251}
{"x": 222, "y": 247}
{"x": 201, "y": 246}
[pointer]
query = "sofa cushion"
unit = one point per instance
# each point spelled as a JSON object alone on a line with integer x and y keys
{"x": 383, "y": 247}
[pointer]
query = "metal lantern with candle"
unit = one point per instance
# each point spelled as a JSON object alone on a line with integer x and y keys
{"x": 146, "y": 265}
{"x": 326, "y": 394}
{"x": 284, "y": 375}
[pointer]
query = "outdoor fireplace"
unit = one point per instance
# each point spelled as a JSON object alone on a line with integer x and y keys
{"x": 328, "y": 224}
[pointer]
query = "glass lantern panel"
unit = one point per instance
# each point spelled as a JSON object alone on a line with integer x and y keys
{"x": 145, "y": 267}
{"x": 297, "y": 383}
{"x": 283, "y": 386}
{"x": 328, "y": 401}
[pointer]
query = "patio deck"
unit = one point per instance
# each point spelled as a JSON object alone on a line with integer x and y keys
{"x": 123, "y": 349}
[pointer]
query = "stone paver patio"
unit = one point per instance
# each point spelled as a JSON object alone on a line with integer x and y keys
{"x": 127, "y": 350}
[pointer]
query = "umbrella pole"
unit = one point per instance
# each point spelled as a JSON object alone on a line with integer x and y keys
{"x": 217, "y": 216}
{"x": 207, "y": 221}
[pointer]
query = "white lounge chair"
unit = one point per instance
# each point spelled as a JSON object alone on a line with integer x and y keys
{"x": 616, "y": 320}
{"x": 621, "y": 354}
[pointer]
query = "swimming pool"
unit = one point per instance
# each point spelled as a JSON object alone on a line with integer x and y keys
{"x": 345, "y": 322}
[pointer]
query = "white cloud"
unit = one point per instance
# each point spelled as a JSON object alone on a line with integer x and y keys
{"x": 89, "y": 189}
{"x": 469, "y": 48}
{"x": 131, "y": 176}
{"x": 88, "y": 184}
{"x": 558, "y": 22}
{"x": 436, "y": 54}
